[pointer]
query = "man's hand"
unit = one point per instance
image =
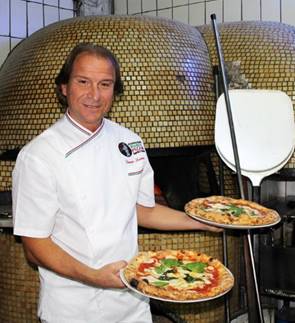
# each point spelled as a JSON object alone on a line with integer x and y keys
{"x": 206, "y": 227}
{"x": 108, "y": 276}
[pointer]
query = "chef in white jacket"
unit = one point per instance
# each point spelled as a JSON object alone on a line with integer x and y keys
{"x": 80, "y": 189}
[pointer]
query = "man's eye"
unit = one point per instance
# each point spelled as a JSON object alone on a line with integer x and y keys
{"x": 83, "y": 82}
{"x": 106, "y": 85}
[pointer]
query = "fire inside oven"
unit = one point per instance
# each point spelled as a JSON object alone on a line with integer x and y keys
{"x": 182, "y": 174}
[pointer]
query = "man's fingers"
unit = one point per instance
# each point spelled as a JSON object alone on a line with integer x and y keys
{"x": 211, "y": 228}
{"x": 116, "y": 266}
{"x": 123, "y": 264}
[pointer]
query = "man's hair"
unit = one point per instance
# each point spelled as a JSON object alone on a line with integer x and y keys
{"x": 66, "y": 70}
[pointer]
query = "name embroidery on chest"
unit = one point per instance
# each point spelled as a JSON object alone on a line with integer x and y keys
{"x": 136, "y": 147}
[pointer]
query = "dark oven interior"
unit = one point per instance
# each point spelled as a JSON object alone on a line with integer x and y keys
{"x": 182, "y": 174}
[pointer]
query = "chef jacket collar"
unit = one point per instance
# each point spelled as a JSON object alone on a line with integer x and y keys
{"x": 91, "y": 135}
{"x": 78, "y": 125}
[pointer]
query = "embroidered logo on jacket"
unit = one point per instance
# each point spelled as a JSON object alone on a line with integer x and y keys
{"x": 136, "y": 147}
{"x": 124, "y": 149}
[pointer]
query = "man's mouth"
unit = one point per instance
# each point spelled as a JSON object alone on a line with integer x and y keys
{"x": 92, "y": 106}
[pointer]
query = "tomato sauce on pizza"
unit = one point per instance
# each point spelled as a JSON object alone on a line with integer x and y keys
{"x": 178, "y": 275}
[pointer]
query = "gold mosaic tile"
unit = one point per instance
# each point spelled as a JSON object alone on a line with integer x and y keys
{"x": 19, "y": 283}
{"x": 6, "y": 168}
{"x": 166, "y": 71}
{"x": 266, "y": 53}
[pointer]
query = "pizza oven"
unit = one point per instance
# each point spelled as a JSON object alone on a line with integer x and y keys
{"x": 169, "y": 100}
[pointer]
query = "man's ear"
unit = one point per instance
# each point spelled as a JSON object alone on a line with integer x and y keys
{"x": 64, "y": 89}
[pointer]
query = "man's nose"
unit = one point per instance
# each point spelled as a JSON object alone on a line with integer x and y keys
{"x": 94, "y": 92}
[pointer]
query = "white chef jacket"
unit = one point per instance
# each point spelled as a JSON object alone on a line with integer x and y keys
{"x": 81, "y": 188}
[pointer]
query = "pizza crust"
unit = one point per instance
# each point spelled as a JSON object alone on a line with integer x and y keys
{"x": 138, "y": 280}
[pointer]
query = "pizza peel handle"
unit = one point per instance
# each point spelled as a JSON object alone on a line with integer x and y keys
{"x": 252, "y": 312}
{"x": 228, "y": 105}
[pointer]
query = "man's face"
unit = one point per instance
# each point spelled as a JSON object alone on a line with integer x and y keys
{"x": 90, "y": 90}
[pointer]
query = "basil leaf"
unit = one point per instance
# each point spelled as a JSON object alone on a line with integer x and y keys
{"x": 165, "y": 276}
{"x": 196, "y": 267}
{"x": 252, "y": 213}
{"x": 235, "y": 210}
{"x": 159, "y": 283}
{"x": 170, "y": 262}
{"x": 188, "y": 278}
{"x": 160, "y": 269}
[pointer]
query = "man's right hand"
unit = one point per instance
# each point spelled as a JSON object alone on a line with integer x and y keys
{"x": 108, "y": 276}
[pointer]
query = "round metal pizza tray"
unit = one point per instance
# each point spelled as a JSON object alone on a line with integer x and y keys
{"x": 235, "y": 226}
{"x": 172, "y": 300}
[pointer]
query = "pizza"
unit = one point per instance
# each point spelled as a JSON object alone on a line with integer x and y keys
{"x": 227, "y": 210}
{"x": 178, "y": 275}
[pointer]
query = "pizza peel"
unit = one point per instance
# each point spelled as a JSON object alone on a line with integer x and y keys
{"x": 256, "y": 141}
{"x": 264, "y": 128}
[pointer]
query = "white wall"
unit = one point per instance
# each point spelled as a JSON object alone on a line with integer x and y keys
{"x": 20, "y": 18}
{"x": 197, "y": 12}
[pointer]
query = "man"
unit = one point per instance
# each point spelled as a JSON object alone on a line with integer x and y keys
{"x": 79, "y": 193}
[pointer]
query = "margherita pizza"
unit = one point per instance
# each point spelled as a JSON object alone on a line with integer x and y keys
{"x": 178, "y": 275}
{"x": 230, "y": 211}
